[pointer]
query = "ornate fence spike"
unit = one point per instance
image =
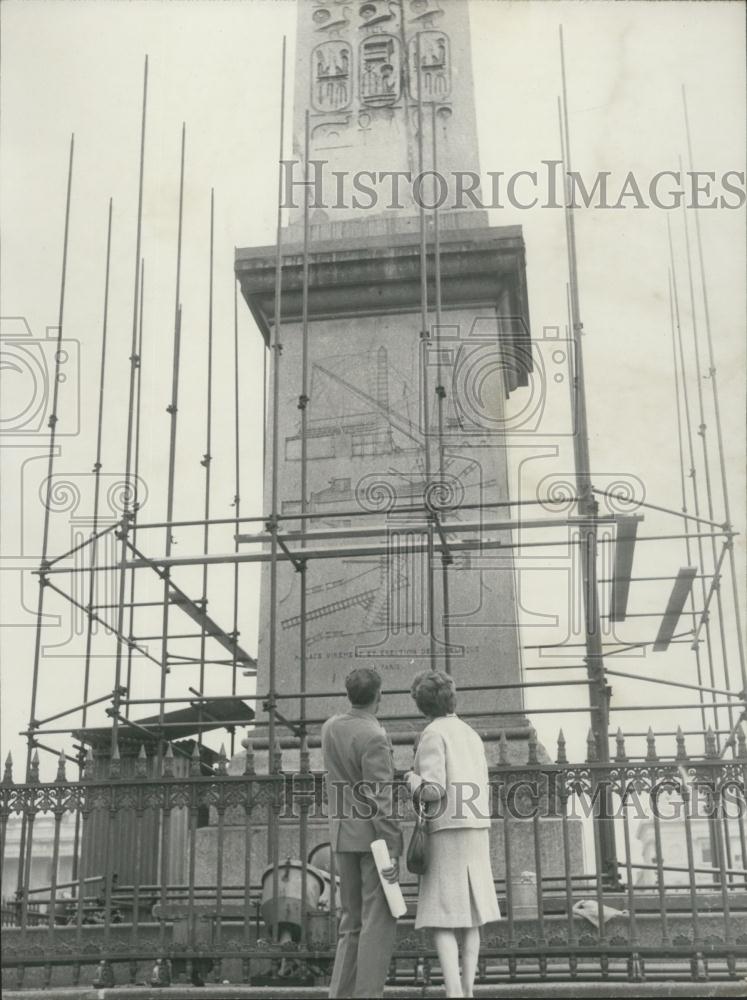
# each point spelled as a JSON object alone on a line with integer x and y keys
{"x": 61, "y": 761}
{"x": 711, "y": 750}
{"x": 591, "y": 746}
{"x": 141, "y": 764}
{"x": 562, "y": 757}
{"x": 8, "y": 770}
{"x": 168, "y": 762}
{"x": 503, "y": 749}
{"x": 195, "y": 762}
{"x": 741, "y": 744}
{"x": 681, "y": 749}
{"x": 651, "y": 754}
{"x": 532, "y": 746}
{"x": 115, "y": 763}
{"x": 248, "y": 746}
{"x": 86, "y": 760}
{"x": 222, "y": 766}
{"x": 620, "y": 754}
{"x": 34, "y": 767}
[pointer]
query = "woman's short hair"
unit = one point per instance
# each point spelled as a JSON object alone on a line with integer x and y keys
{"x": 434, "y": 692}
{"x": 362, "y": 685}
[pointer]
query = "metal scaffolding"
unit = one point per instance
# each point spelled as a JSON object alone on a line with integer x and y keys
{"x": 294, "y": 537}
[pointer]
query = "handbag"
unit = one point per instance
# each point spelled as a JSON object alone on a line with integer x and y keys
{"x": 418, "y": 850}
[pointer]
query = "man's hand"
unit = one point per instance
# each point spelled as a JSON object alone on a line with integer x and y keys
{"x": 391, "y": 874}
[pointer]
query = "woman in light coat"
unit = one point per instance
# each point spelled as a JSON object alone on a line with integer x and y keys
{"x": 457, "y": 893}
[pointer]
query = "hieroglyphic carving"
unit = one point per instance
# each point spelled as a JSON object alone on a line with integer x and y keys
{"x": 380, "y": 70}
{"x": 331, "y": 17}
{"x": 425, "y": 11}
{"x": 331, "y": 65}
{"x": 375, "y": 12}
{"x": 435, "y": 65}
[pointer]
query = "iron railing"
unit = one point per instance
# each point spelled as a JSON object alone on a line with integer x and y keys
{"x": 675, "y": 906}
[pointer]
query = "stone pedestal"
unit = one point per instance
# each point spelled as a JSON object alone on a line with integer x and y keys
{"x": 371, "y": 452}
{"x": 231, "y": 842}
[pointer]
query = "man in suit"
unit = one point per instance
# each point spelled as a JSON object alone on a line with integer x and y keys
{"x": 360, "y": 774}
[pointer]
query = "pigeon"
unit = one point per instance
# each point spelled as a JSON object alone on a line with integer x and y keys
{"x": 589, "y": 910}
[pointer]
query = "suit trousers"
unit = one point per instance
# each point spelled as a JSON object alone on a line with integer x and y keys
{"x": 367, "y": 929}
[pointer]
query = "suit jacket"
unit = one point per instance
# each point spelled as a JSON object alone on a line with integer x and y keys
{"x": 451, "y": 756}
{"x": 360, "y": 781}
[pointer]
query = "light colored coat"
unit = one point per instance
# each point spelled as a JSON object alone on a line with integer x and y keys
{"x": 360, "y": 778}
{"x": 451, "y": 757}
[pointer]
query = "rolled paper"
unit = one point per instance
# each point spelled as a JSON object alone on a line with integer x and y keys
{"x": 392, "y": 890}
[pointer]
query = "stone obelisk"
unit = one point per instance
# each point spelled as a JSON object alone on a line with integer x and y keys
{"x": 405, "y": 424}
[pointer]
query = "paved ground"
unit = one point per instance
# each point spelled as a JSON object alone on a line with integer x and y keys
{"x": 508, "y": 991}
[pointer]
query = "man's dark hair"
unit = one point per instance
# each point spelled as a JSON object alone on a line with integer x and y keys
{"x": 362, "y": 684}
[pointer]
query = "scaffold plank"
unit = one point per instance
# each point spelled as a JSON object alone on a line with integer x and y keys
{"x": 675, "y": 604}
{"x": 212, "y": 629}
{"x": 627, "y": 528}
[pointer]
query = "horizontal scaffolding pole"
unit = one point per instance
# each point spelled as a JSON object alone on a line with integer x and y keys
{"x": 76, "y": 708}
{"x": 81, "y": 545}
{"x": 394, "y": 527}
{"x": 668, "y": 708}
{"x": 624, "y": 645}
{"x": 648, "y": 579}
{"x": 335, "y": 694}
{"x": 680, "y": 684}
{"x": 318, "y": 721}
{"x": 663, "y": 510}
{"x": 642, "y": 614}
{"x": 127, "y": 604}
{"x": 347, "y": 552}
{"x": 177, "y": 660}
{"x": 358, "y": 512}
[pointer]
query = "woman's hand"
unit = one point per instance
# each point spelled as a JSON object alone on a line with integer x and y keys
{"x": 391, "y": 874}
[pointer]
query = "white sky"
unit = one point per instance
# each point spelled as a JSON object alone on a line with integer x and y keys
{"x": 77, "y": 67}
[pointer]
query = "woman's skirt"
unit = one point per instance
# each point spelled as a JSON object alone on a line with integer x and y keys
{"x": 457, "y": 889}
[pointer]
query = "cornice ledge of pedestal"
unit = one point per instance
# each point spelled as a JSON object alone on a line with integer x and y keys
{"x": 481, "y": 266}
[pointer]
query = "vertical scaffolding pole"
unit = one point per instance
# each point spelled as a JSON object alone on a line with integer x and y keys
{"x": 237, "y": 492}
{"x": 207, "y": 459}
{"x": 97, "y": 473}
{"x": 93, "y": 577}
{"x": 135, "y": 484}
{"x": 31, "y": 775}
{"x": 303, "y": 401}
{"x": 599, "y": 692}
{"x": 683, "y": 492}
{"x": 126, "y": 513}
{"x": 440, "y": 389}
{"x": 276, "y": 348}
{"x": 424, "y": 339}
{"x": 172, "y": 409}
{"x": 702, "y": 434}
{"x": 713, "y": 379}
{"x": 52, "y": 424}
{"x": 692, "y": 472}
